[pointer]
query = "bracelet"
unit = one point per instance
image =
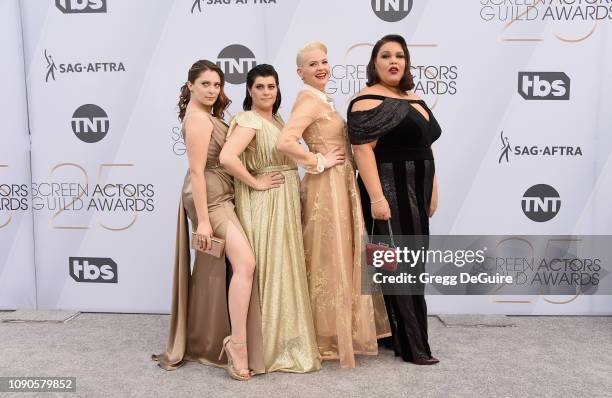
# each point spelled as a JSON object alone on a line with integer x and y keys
{"x": 319, "y": 168}
{"x": 378, "y": 200}
{"x": 320, "y": 162}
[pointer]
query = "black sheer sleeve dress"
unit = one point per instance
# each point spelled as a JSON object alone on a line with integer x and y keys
{"x": 406, "y": 169}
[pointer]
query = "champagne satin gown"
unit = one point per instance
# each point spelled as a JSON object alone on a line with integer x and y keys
{"x": 346, "y": 322}
{"x": 271, "y": 220}
{"x": 199, "y": 315}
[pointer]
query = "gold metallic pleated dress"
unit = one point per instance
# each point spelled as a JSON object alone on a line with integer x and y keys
{"x": 271, "y": 221}
{"x": 199, "y": 316}
{"x": 347, "y": 323}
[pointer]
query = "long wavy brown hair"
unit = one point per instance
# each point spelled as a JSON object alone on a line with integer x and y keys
{"x": 199, "y": 67}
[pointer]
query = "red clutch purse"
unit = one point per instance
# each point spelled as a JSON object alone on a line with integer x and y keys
{"x": 374, "y": 250}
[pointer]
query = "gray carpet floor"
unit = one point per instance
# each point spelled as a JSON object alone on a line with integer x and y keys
{"x": 109, "y": 354}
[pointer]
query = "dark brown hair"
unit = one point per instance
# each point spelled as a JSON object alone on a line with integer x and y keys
{"x": 195, "y": 71}
{"x": 263, "y": 70}
{"x": 407, "y": 82}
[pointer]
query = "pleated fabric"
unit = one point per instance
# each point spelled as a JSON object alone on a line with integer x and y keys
{"x": 271, "y": 221}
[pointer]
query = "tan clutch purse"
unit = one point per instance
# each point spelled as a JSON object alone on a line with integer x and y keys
{"x": 217, "y": 249}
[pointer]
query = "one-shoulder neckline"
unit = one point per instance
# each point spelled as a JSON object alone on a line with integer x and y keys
{"x": 209, "y": 115}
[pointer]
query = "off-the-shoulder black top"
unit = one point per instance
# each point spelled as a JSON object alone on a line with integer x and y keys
{"x": 408, "y": 134}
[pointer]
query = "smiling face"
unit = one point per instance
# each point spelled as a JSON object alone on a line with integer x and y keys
{"x": 391, "y": 63}
{"x": 263, "y": 92}
{"x": 314, "y": 69}
{"x": 206, "y": 88}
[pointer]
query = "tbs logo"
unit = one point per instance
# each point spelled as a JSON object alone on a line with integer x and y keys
{"x": 544, "y": 85}
{"x": 81, "y": 6}
{"x": 93, "y": 269}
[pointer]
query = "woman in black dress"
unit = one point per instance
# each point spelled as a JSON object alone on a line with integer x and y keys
{"x": 392, "y": 130}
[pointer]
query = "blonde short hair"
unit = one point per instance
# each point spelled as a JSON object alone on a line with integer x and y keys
{"x": 313, "y": 45}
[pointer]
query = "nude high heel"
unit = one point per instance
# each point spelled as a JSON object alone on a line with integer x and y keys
{"x": 237, "y": 374}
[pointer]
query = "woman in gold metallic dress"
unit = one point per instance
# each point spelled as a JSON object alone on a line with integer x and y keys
{"x": 199, "y": 320}
{"x": 271, "y": 220}
{"x": 346, "y": 322}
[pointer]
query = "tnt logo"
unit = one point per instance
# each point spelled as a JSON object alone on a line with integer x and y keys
{"x": 90, "y": 123}
{"x": 92, "y": 269}
{"x": 541, "y": 203}
{"x": 236, "y": 60}
{"x": 392, "y": 10}
{"x": 544, "y": 85}
{"x": 81, "y": 6}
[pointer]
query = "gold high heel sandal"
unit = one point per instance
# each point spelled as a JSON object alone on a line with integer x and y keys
{"x": 237, "y": 374}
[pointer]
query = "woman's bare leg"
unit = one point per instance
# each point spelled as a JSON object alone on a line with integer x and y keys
{"x": 240, "y": 254}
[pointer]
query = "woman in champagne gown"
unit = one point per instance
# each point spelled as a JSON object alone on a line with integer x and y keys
{"x": 199, "y": 314}
{"x": 347, "y": 323}
{"x": 271, "y": 220}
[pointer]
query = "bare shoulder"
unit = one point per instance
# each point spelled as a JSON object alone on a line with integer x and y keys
{"x": 412, "y": 95}
{"x": 366, "y": 104}
{"x": 368, "y": 90}
{"x": 197, "y": 124}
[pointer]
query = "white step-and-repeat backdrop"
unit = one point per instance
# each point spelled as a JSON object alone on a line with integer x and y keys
{"x": 521, "y": 89}
{"x": 17, "y": 275}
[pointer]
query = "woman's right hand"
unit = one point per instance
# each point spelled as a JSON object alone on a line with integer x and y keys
{"x": 205, "y": 233}
{"x": 380, "y": 210}
{"x": 269, "y": 181}
{"x": 334, "y": 157}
